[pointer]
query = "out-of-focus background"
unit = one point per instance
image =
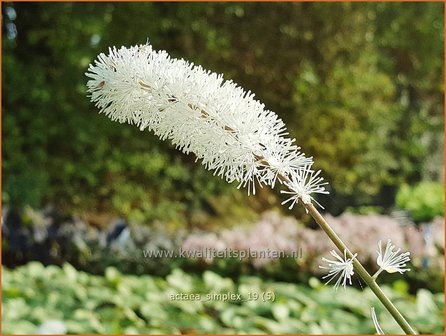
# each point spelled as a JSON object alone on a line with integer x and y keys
{"x": 360, "y": 87}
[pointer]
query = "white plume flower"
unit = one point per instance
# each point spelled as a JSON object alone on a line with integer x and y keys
{"x": 392, "y": 261}
{"x": 201, "y": 113}
{"x": 341, "y": 268}
{"x": 302, "y": 183}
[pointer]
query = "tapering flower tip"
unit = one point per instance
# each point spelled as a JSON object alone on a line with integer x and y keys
{"x": 392, "y": 261}
{"x": 341, "y": 268}
{"x": 201, "y": 113}
{"x": 378, "y": 329}
{"x": 303, "y": 182}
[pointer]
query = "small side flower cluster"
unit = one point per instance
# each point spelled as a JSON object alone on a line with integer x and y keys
{"x": 302, "y": 185}
{"x": 342, "y": 268}
{"x": 392, "y": 261}
{"x": 201, "y": 113}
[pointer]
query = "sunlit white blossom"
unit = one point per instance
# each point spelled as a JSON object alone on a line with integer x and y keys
{"x": 303, "y": 182}
{"x": 341, "y": 268}
{"x": 392, "y": 261}
{"x": 201, "y": 113}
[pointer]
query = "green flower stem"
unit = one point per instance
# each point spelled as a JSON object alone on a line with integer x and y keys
{"x": 378, "y": 272}
{"x": 361, "y": 270}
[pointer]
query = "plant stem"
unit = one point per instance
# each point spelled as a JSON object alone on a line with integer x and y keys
{"x": 339, "y": 244}
{"x": 361, "y": 270}
{"x": 378, "y": 272}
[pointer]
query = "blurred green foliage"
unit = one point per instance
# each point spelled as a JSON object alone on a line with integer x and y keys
{"x": 425, "y": 201}
{"x": 117, "y": 303}
{"x": 359, "y": 85}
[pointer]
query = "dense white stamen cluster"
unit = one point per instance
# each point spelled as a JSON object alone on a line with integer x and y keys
{"x": 392, "y": 261}
{"x": 303, "y": 184}
{"x": 201, "y": 113}
{"x": 341, "y": 268}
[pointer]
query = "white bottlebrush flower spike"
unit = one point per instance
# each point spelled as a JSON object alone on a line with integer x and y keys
{"x": 201, "y": 113}
{"x": 392, "y": 261}
{"x": 378, "y": 329}
{"x": 341, "y": 268}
